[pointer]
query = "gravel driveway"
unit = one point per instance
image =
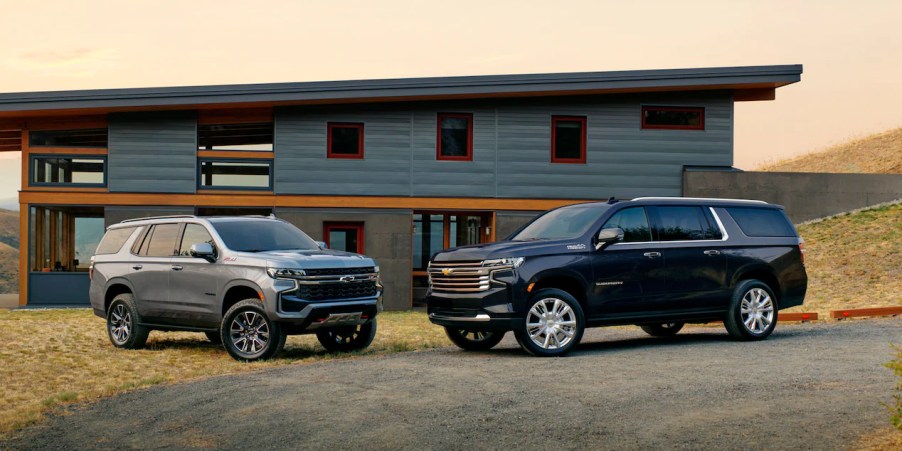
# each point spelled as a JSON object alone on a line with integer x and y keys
{"x": 808, "y": 386}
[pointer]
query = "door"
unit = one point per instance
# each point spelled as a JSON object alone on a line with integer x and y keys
{"x": 693, "y": 252}
{"x": 628, "y": 276}
{"x": 193, "y": 282}
{"x": 150, "y": 272}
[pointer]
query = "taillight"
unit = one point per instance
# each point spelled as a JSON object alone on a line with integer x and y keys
{"x": 802, "y": 248}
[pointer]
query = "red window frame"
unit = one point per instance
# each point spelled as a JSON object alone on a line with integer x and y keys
{"x": 333, "y": 125}
{"x": 358, "y": 226}
{"x": 700, "y": 110}
{"x": 582, "y": 139}
{"x": 438, "y": 136}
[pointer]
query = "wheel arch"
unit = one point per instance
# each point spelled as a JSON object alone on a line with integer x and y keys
{"x": 762, "y": 273}
{"x": 115, "y": 287}
{"x": 237, "y": 291}
{"x": 569, "y": 281}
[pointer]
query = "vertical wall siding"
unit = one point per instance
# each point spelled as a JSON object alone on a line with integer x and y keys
{"x": 301, "y": 166}
{"x": 153, "y": 152}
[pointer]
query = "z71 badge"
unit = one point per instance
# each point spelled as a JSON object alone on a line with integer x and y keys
{"x": 576, "y": 247}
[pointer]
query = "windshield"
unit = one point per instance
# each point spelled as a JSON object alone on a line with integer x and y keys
{"x": 563, "y": 223}
{"x": 262, "y": 236}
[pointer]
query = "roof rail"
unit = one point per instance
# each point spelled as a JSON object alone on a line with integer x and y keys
{"x": 157, "y": 217}
{"x": 702, "y": 198}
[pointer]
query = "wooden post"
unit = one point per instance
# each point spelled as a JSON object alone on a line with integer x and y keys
{"x": 24, "y": 248}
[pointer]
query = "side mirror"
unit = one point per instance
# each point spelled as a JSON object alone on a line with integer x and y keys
{"x": 609, "y": 236}
{"x": 202, "y": 250}
{"x": 322, "y": 244}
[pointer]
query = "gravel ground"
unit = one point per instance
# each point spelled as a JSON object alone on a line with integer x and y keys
{"x": 817, "y": 386}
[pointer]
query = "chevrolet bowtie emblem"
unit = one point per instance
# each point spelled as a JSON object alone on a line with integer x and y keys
{"x": 346, "y": 278}
{"x": 447, "y": 272}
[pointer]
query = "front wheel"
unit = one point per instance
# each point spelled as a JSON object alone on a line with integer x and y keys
{"x": 248, "y": 334}
{"x": 663, "y": 329}
{"x": 553, "y": 325}
{"x": 753, "y": 311}
{"x": 347, "y": 338}
{"x": 473, "y": 340}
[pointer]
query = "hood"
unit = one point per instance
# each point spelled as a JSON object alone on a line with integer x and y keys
{"x": 503, "y": 249}
{"x": 313, "y": 259}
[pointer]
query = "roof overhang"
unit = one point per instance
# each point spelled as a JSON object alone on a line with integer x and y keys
{"x": 749, "y": 83}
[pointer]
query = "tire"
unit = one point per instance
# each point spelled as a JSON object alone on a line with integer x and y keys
{"x": 480, "y": 341}
{"x": 214, "y": 336}
{"x": 347, "y": 338}
{"x": 663, "y": 329}
{"x": 753, "y": 311}
{"x": 565, "y": 315}
{"x": 123, "y": 323}
{"x": 248, "y": 334}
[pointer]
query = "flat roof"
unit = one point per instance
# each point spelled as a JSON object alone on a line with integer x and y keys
{"x": 395, "y": 90}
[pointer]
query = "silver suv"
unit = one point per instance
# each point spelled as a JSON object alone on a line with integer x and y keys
{"x": 246, "y": 282}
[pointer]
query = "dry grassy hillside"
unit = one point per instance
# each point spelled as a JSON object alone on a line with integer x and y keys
{"x": 854, "y": 260}
{"x": 9, "y": 269}
{"x": 9, "y": 227}
{"x": 880, "y": 153}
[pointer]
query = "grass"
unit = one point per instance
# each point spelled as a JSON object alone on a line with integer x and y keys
{"x": 51, "y": 358}
{"x": 854, "y": 260}
{"x": 896, "y": 407}
{"x": 880, "y": 153}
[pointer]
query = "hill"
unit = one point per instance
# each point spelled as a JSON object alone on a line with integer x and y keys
{"x": 854, "y": 260}
{"x": 9, "y": 252}
{"x": 9, "y": 228}
{"x": 880, "y": 153}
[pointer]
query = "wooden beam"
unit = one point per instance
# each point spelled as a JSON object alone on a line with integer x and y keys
{"x": 798, "y": 316}
{"x": 24, "y": 248}
{"x": 250, "y": 199}
{"x": 26, "y": 160}
{"x": 751, "y": 95}
{"x": 67, "y": 123}
{"x": 68, "y": 151}
{"x": 878, "y": 311}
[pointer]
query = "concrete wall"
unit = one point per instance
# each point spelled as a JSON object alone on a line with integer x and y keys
{"x": 805, "y": 195}
{"x": 387, "y": 238}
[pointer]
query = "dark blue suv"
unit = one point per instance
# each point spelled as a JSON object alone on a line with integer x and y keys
{"x": 655, "y": 262}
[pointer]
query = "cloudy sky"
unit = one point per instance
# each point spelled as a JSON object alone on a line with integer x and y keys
{"x": 852, "y": 51}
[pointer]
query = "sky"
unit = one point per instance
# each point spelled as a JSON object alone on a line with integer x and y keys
{"x": 851, "y": 51}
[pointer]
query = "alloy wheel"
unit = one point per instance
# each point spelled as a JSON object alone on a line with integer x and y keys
{"x": 551, "y": 323}
{"x": 249, "y": 332}
{"x": 757, "y": 310}
{"x": 120, "y": 324}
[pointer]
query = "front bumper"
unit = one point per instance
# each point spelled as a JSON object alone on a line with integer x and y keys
{"x": 487, "y": 310}
{"x": 298, "y": 315}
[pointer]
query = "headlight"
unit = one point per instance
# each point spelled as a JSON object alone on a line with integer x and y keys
{"x": 513, "y": 262}
{"x": 285, "y": 273}
{"x": 376, "y": 269}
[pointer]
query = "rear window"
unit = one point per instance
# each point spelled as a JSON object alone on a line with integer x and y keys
{"x": 113, "y": 240}
{"x": 762, "y": 221}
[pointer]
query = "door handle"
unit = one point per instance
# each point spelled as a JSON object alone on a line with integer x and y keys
{"x": 712, "y": 252}
{"x": 652, "y": 254}
{"x": 176, "y": 267}
{"x": 136, "y": 267}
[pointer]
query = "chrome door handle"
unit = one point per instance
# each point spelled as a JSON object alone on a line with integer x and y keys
{"x": 712, "y": 252}
{"x": 136, "y": 267}
{"x": 652, "y": 254}
{"x": 176, "y": 268}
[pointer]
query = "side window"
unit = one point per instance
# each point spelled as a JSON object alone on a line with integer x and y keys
{"x": 634, "y": 223}
{"x": 162, "y": 241}
{"x": 194, "y": 234}
{"x": 762, "y": 221}
{"x": 713, "y": 232}
{"x": 113, "y": 240}
{"x": 682, "y": 224}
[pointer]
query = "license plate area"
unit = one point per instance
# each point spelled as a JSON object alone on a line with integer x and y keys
{"x": 341, "y": 319}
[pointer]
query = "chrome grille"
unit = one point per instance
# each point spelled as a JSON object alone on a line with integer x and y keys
{"x": 459, "y": 277}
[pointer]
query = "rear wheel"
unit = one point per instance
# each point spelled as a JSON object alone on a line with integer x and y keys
{"x": 663, "y": 329}
{"x": 347, "y": 338}
{"x": 123, "y": 323}
{"x": 553, "y": 325}
{"x": 248, "y": 334}
{"x": 473, "y": 340}
{"x": 753, "y": 311}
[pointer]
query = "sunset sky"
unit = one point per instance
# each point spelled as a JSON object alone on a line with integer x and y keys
{"x": 851, "y": 51}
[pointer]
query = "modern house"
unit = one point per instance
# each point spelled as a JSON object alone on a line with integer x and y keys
{"x": 396, "y": 169}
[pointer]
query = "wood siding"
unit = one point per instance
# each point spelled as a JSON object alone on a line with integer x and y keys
{"x": 153, "y": 152}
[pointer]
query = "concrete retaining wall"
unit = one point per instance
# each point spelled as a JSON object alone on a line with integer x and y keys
{"x": 805, "y": 195}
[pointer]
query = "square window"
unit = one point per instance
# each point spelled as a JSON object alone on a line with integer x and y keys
{"x": 235, "y": 174}
{"x": 568, "y": 139}
{"x": 673, "y": 118}
{"x": 345, "y": 140}
{"x": 455, "y": 136}
{"x": 344, "y": 236}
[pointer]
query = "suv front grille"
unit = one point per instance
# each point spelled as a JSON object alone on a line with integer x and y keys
{"x": 332, "y": 291}
{"x": 337, "y": 283}
{"x": 339, "y": 271}
{"x": 459, "y": 277}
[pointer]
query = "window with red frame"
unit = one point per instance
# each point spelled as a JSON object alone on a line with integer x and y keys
{"x": 344, "y": 236}
{"x": 454, "y": 140}
{"x": 568, "y": 139}
{"x": 673, "y": 118}
{"x": 345, "y": 140}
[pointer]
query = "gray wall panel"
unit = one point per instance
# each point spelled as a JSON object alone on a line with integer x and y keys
{"x": 153, "y": 153}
